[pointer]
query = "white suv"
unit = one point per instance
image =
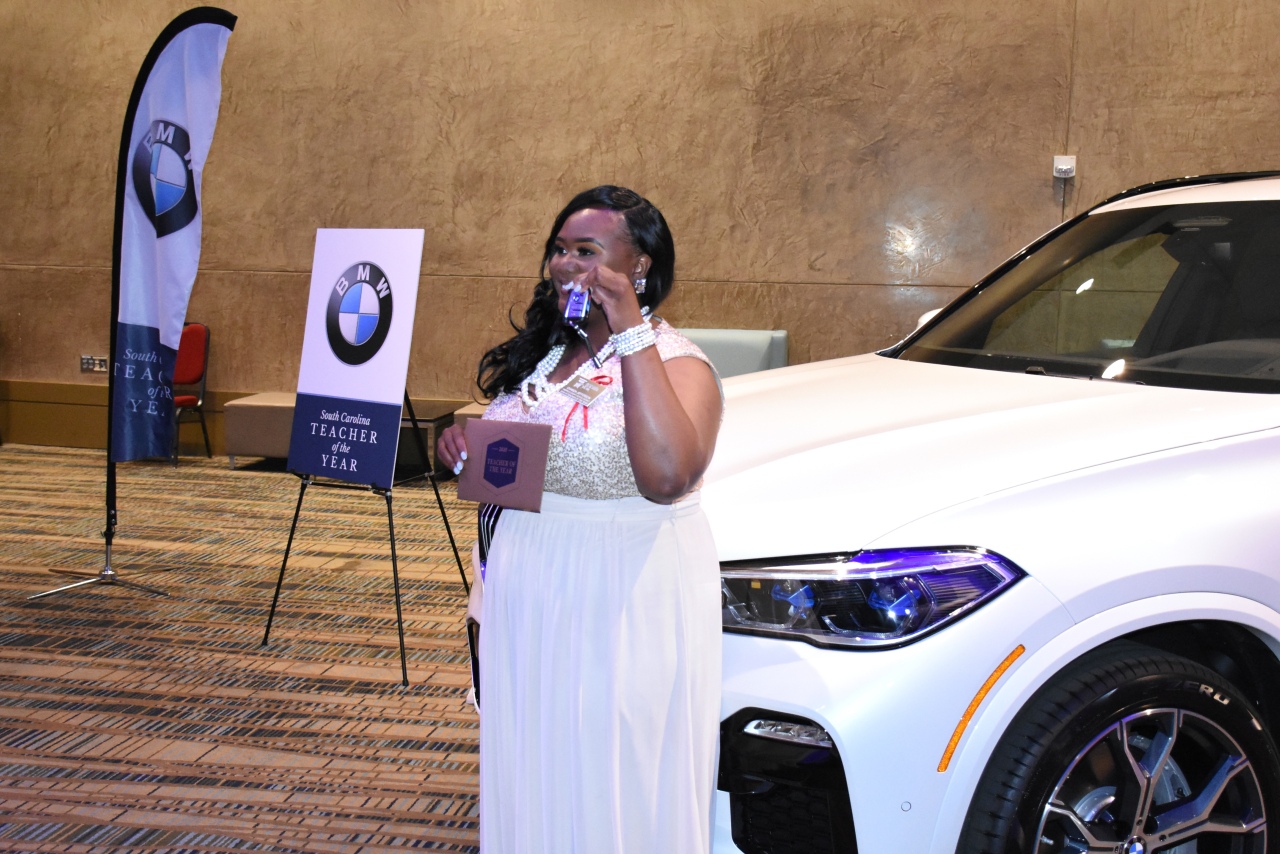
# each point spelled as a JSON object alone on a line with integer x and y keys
{"x": 1013, "y": 585}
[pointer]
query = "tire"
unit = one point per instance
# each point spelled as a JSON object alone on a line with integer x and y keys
{"x": 1066, "y": 775}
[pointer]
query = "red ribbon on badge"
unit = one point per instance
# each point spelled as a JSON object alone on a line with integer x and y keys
{"x": 564, "y": 431}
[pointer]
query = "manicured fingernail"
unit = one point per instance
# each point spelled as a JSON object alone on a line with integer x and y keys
{"x": 458, "y": 468}
{"x": 464, "y": 456}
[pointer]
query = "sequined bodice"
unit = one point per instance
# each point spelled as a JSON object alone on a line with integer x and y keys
{"x": 588, "y": 456}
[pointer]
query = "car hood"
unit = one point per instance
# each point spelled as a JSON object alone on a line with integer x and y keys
{"x": 830, "y": 456}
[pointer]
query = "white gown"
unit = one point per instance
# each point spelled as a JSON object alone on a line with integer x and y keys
{"x": 599, "y": 653}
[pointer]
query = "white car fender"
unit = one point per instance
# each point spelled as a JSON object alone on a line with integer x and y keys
{"x": 1040, "y": 665}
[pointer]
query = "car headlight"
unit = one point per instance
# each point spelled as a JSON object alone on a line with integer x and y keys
{"x": 863, "y": 600}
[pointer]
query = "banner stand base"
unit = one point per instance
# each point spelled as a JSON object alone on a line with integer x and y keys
{"x": 106, "y": 575}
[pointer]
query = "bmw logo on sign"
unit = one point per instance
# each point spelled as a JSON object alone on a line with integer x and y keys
{"x": 162, "y": 177}
{"x": 359, "y": 313}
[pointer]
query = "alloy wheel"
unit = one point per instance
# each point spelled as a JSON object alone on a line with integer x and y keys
{"x": 1162, "y": 780}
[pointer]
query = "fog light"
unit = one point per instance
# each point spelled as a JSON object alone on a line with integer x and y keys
{"x": 807, "y": 734}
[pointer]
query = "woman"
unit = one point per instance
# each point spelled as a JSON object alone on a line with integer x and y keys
{"x": 600, "y": 629}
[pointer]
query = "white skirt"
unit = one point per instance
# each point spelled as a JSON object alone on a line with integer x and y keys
{"x": 599, "y": 679}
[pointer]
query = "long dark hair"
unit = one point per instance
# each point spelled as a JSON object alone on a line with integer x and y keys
{"x": 503, "y": 367}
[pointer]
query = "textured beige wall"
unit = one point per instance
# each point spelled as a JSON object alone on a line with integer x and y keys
{"x": 1174, "y": 87}
{"x": 829, "y": 167}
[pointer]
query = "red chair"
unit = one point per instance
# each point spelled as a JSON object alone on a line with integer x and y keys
{"x": 190, "y": 370}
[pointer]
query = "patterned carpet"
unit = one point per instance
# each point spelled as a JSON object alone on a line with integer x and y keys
{"x": 133, "y": 722}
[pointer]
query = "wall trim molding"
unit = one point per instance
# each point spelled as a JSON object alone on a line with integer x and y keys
{"x": 74, "y": 415}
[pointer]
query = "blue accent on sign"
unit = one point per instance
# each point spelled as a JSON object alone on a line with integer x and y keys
{"x": 359, "y": 313}
{"x": 167, "y": 195}
{"x": 351, "y": 300}
{"x": 142, "y": 394}
{"x": 168, "y": 177}
{"x": 351, "y": 440}
{"x": 501, "y": 459}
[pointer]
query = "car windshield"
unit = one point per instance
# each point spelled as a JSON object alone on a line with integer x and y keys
{"x": 1177, "y": 295}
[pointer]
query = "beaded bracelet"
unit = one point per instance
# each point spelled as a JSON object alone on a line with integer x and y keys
{"x": 633, "y": 340}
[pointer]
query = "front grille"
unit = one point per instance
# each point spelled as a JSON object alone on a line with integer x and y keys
{"x": 784, "y": 798}
{"x": 787, "y": 820}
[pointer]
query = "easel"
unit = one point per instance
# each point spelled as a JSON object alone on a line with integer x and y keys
{"x": 429, "y": 474}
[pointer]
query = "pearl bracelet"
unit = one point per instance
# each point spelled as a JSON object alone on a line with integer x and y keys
{"x": 633, "y": 340}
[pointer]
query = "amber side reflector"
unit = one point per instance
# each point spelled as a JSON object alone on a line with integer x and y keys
{"x": 975, "y": 703}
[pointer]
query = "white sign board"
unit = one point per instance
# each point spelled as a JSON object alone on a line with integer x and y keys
{"x": 355, "y": 354}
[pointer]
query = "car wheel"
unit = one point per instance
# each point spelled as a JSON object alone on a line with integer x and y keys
{"x": 1129, "y": 751}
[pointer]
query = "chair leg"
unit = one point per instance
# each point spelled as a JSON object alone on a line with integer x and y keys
{"x": 173, "y": 448}
{"x": 208, "y": 452}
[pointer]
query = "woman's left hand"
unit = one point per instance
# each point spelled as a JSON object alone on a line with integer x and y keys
{"x": 615, "y": 293}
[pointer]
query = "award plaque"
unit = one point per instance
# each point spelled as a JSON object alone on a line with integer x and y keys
{"x": 506, "y": 463}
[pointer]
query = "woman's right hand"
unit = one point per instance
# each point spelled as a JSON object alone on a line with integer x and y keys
{"x": 451, "y": 448}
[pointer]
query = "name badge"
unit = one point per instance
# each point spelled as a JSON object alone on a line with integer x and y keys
{"x": 582, "y": 390}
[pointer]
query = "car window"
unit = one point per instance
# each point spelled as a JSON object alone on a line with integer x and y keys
{"x": 1179, "y": 295}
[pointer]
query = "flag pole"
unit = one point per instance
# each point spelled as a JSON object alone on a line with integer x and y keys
{"x": 107, "y": 575}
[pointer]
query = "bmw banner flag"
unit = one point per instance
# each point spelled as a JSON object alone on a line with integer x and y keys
{"x": 167, "y": 134}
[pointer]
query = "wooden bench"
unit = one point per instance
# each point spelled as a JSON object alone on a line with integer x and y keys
{"x": 258, "y": 425}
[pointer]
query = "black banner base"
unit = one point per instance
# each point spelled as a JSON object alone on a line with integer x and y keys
{"x": 106, "y": 575}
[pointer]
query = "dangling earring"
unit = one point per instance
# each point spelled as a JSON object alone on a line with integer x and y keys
{"x": 640, "y": 285}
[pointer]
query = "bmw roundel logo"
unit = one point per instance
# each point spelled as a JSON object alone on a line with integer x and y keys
{"x": 162, "y": 177}
{"x": 359, "y": 313}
